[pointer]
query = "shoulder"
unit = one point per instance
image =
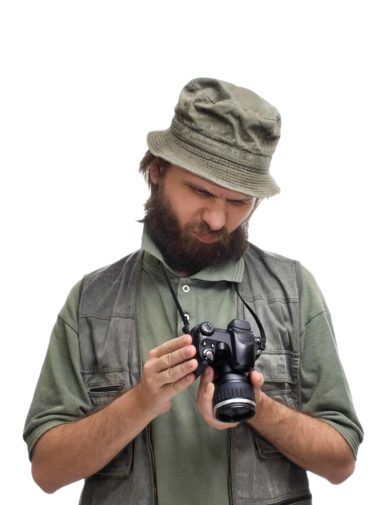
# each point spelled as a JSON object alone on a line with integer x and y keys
{"x": 255, "y": 253}
{"x": 69, "y": 312}
{"x": 272, "y": 275}
{"x": 101, "y": 288}
{"x": 312, "y": 300}
{"x": 261, "y": 262}
{"x": 285, "y": 271}
{"x": 94, "y": 284}
{"x": 111, "y": 272}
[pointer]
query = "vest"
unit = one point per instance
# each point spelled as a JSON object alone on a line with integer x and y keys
{"x": 111, "y": 362}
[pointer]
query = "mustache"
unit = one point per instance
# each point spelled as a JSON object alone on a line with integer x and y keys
{"x": 203, "y": 228}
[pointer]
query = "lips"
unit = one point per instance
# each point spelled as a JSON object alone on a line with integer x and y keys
{"x": 207, "y": 238}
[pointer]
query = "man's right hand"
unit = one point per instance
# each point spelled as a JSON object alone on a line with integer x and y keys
{"x": 167, "y": 371}
{"x": 76, "y": 450}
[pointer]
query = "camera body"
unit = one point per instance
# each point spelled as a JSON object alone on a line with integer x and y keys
{"x": 232, "y": 354}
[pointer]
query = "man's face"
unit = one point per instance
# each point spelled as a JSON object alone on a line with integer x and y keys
{"x": 195, "y": 222}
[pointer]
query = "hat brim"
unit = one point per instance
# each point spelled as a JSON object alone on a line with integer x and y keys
{"x": 219, "y": 170}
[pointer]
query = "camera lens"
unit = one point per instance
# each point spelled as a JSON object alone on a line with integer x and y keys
{"x": 234, "y": 398}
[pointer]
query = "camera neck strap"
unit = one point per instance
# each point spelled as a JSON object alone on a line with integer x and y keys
{"x": 184, "y": 317}
{"x": 255, "y": 317}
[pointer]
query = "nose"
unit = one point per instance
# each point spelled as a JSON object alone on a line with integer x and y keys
{"x": 215, "y": 215}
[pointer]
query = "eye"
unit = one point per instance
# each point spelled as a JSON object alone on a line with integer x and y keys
{"x": 239, "y": 203}
{"x": 199, "y": 191}
{"x": 202, "y": 192}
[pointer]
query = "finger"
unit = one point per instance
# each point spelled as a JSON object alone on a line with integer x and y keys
{"x": 206, "y": 378}
{"x": 205, "y": 403}
{"x": 257, "y": 380}
{"x": 170, "y": 346}
{"x": 172, "y": 359}
{"x": 206, "y": 386}
{"x": 182, "y": 383}
{"x": 208, "y": 410}
{"x": 205, "y": 396}
{"x": 175, "y": 373}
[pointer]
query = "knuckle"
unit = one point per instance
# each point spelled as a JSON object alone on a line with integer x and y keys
{"x": 190, "y": 364}
{"x": 186, "y": 352}
{"x": 179, "y": 385}
{"x": 147, "y": 367}
{"x": 166, "y": 361}
{"x": 170, "y": 374}
{"x": 152, "y": 354}
{"x": 175, "y": 387}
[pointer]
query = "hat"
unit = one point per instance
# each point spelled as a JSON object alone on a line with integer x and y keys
{"x": 223, "y": 133}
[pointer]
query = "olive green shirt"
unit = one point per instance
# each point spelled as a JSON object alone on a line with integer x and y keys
{"x": 191, "y": 457}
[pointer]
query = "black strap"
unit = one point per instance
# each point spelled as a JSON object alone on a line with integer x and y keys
{"x": 259, "y": 324}
{"x": 184, "y": 318}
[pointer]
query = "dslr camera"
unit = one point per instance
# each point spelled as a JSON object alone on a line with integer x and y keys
{"x": 231, "y": 353}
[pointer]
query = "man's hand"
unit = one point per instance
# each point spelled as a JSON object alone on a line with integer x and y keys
{"x": 310, "y": 442}
{"x": 206, "y": 393}
{"x": 167, "y": 371}
{"x": 76, "y": 450}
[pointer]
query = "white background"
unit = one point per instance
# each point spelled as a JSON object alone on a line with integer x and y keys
{"x": 83, "y": 82}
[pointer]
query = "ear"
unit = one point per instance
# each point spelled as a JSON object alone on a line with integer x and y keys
{"x": 156, "y": 172}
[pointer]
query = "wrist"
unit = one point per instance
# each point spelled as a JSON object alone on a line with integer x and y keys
{"x": 265, "y": 411}
{"x": 138, "y": 409}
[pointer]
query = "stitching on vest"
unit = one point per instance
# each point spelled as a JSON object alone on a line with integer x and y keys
{"x": 106, "y": 318}
{"x": 67, "y": 324}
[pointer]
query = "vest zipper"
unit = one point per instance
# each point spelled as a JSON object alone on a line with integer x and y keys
{"x": 229, "y": 469}
{"x": 152, "y": 454}
{"x": 148, "y": 430}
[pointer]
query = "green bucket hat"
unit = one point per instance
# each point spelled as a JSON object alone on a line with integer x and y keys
{"x": 223, "y": 133}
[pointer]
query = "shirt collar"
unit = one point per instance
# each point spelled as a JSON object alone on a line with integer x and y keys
{"x": 231, "y": 271}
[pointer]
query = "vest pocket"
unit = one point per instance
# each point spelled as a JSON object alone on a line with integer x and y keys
{"x": 265, "y": 450}
{"x": 113, "y": 388}
{"x": 280, "y": 371}
{"x": 263, "y": 475}
{"x": 121, "y": 464}
{"x": 106, "y": 384}
{"x": 103, "y": 386}
{"x": 102, "y": 394}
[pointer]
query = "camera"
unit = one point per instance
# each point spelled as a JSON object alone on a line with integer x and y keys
{"x": 231, "y": 353}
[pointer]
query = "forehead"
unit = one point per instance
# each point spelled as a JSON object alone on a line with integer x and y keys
{"x": 183, "y": 175}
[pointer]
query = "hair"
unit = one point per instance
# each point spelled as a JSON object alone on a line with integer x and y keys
{"x": 148, "y": 160}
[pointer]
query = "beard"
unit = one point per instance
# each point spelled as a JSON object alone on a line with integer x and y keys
{"x": 182, "y": 252}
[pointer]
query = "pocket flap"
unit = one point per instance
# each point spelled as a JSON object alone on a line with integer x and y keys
{"x": 278, "y": 366}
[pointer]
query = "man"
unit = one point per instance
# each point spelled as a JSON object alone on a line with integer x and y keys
{"x": 117, "y": 402}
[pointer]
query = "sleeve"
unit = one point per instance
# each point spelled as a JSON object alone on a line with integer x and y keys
{"x": 60, "y": 395}
{"x": 324, "y": 388}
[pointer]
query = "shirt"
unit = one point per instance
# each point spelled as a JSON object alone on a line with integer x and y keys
{"x": 191, "y": 458}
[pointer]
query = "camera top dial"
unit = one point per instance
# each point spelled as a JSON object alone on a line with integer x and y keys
{"x": 207, "y": 329}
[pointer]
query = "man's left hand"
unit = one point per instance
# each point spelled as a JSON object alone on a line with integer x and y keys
{"x": 206, "y": 393}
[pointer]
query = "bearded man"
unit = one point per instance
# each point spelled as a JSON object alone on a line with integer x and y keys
{"x": 117, "y": 402}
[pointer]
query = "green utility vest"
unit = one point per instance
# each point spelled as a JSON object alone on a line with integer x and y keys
{"x": 111, "y": 361}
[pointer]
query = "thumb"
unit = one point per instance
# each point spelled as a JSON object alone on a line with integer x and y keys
{"x": 257, "y": 380}
{"x": 206, "y": 387}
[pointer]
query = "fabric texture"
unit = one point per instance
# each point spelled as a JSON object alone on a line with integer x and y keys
{"x": 224, "y": 133}
{"x": 322, "y": 388}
